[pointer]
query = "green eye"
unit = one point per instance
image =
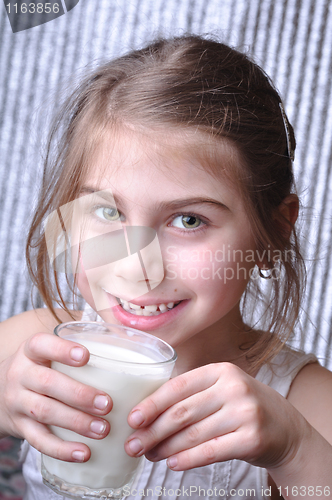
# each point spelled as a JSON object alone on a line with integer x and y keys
{"x": 187, "y": 221}
{"x": 107, "y": 213}
{"x": 190, "y": 221}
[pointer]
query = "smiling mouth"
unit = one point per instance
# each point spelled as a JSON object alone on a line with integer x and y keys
{"x": 149, "y": 310}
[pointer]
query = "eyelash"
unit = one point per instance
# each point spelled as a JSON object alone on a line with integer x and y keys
{"x": 204, "y": 223}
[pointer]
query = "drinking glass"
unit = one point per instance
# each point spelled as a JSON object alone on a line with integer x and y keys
{"x": 129, "y": 365}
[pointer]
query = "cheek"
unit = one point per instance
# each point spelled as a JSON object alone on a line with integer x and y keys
{"x": 212, "y": 268}
{"x": 84, "y": 288}
{"x": 92, "y": 285}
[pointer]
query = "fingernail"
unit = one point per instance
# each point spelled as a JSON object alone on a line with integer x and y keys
{"x": 135, "y": 446}
{"x": 100, "y": 402}
{"x": 172, "y": 462}
{"x": 78, "y": 456}
{"x": 77, "y": 353}
{"x": 98, "y": 427}
{"x": 136, "y": 418}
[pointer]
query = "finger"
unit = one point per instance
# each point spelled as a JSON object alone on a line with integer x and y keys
{"x": 52, "y": 383}
{"x": 51, "y": 412}
{"x": 43, "y": 347}
{"x": 220, "y": 449}
{"x": 170, "y": 393}
{"x": 209, "y": 428}
{"x": 42, "y": 439}
{"x": 192, "y": 410}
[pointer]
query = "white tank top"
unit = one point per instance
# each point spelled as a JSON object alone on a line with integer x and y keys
{"x": 232, "y": 479}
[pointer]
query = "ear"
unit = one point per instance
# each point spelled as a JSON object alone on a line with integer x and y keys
{"x": 287, "y": 214}
{"x": 284, "y": 219}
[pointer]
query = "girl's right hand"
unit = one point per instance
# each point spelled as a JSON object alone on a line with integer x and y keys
{"x": 33, "y": 396}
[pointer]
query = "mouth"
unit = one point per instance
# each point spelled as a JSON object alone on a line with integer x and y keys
{"x": 147, "y": 310}
{"x": 147, "y": 317}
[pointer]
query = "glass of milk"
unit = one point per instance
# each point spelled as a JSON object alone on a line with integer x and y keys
{"x": 129, "y": 365}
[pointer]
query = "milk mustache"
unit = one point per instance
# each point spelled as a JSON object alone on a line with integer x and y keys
{"x": 127, "y": 383}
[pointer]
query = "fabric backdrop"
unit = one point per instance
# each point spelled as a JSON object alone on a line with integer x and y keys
{"x": 290, "y": 39}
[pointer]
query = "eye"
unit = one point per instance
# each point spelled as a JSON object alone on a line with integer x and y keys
{"x": 188, "y": 221}
{"x": 108, "y": 213}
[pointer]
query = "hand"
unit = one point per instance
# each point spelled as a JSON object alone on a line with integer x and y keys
{"x": 212, "y": 414}
{"x": 34, "y": 396}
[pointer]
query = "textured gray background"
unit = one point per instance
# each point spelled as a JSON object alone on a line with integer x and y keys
{"x": 291, "y": 39}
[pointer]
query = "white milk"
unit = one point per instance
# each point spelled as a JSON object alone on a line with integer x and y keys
{"x": 109, "y": 465}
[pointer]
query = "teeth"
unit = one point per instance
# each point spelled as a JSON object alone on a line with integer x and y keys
{"x": 149, "y": 310}
{"x": 134, "y": 306}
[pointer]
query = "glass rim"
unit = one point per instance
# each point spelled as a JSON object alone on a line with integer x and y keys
{"x": 122, "y": 327}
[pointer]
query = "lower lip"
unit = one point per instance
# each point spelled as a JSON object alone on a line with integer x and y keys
{"x": 147, "y": 323}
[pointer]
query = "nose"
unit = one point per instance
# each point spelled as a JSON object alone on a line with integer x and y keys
{"x": 143, "y": 269}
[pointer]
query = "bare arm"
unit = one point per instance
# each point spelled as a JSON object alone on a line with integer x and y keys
{"x": 309, "y": 473}
{"x": 14, "y": 331}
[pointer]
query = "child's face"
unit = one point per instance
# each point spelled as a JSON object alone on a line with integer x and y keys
{"x": 194, "y": 237}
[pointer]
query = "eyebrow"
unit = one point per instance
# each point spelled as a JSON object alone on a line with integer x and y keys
{"x": 172, "y": 204}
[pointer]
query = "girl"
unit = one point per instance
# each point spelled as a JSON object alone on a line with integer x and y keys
{"x": 180, "y": 152}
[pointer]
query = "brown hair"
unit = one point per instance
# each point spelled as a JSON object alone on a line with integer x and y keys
{"x": 187, "y": 82}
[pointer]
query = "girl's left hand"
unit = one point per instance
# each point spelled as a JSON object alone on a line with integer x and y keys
{"x": 212, "y": 414}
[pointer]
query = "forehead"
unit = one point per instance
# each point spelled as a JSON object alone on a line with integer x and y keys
{"x": 177, "y": 160}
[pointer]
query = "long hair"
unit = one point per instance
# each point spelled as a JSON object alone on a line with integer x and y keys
{"x": 186, "y": 82}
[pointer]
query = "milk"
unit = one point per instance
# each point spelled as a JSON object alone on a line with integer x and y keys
{"x": 127, "y": 383}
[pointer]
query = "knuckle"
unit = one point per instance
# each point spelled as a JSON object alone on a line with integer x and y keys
{"x": 45, "y": 378}
{"x": 209, "y": 453}
{"x": 41, "y": 410}
{"x": 78, "y": 422}
{"x": 58, "y": 453}
{"x": 254, "y": 413}
{"x": 192, "y": 434}
{"x": 181, "y": 415}
{"x": 82, "y": 394}
{"x": 60, "y": 347}
{"x": 151, "y": 435}
{"x": 228, "y": 369}
{"x": 240, "y": 389}
{"x": 33, "y": 343}
{"x": 13, "y": 374}
{"x": 152, "y": 407}
{"x": 178, "y": 384}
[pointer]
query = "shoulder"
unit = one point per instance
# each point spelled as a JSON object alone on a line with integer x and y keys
{"x": 311, "y": 394}
{"x": 15, "y": 330}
